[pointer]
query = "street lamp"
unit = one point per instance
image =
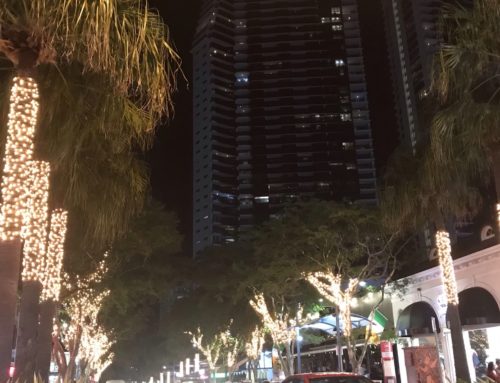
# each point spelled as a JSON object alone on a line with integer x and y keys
{"x": 299, "y": 359}
{"x": 337, "y": 335}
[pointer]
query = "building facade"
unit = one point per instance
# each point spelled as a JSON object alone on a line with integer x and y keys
{"x": 280, "y": 112}
{"x": 479, "y": 294}
{"x": 412, "y": 37}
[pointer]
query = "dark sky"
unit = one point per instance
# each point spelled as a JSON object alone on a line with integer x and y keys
{"x": 171, "y": 156}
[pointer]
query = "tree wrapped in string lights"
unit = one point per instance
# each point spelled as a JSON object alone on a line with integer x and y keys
{"x": 213, "y": 348}
{"x": 83, "y": 335}
{"x": 280, "y": 324}
{"x": 22, "y": 119}
{"x": 34, "y": 233}
{"x": 253, "y": 350}
{"x": 51, "y": 290}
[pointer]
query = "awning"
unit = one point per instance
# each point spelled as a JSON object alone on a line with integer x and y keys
{"x": 328, "y": 324}
{"x": 416, "y": 320}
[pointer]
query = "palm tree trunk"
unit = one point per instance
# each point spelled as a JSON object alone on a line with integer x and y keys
{"x": 44, "y": 340}
{"x": 29, "y": 311}
{"x": 448, "y": 278}
{"x": 457, "y": 339}
{"x": 9, "y": 279}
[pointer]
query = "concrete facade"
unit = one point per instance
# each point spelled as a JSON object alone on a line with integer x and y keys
{"x": 480, "y": 269}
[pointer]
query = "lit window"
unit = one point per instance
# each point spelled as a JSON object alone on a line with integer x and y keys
{"x": 348, "y": 145}
{"x": 241, "y": 77}
{"x": 336, "y": 27}
{"x": 339, "y": 63}
{"x": 262, "y": 199}
{"x": 345, "y": 117}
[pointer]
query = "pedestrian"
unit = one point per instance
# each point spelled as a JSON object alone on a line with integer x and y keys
{"x": 491, "y": 372}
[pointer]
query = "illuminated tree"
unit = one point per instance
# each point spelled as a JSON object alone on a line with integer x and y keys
{"x": 253, "y": 350}
{"x": 124, "y": 41}
{"x": 83, "y": 334}
{"x": 422, "y": 192}
{"x": 51, "y": 290}
{"x": 34, "y": 232}
{"x": 281, "y": 325}
{"x": 340, "y": 292}
{"x": 215, "y": 347}
{"x": 15, "y": 194}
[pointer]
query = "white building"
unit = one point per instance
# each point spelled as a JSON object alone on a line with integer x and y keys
{"x": 478, "y": 281}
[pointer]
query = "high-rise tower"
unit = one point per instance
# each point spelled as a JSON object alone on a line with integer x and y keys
{"x": 280, "y": 111}
{"x": 412, "y": 35}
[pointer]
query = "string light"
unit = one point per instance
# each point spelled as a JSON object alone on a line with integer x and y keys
{"x": 35, "y": 224}
{"x": 280, "y": 325}
{"x": 498, "y": 214}
{"x": 55, "y": 255}
{"x": 212, "y": 349}
{"x": 329, "y": 285}
{"x": 443, "y": 245}
{"x": 83, "y": 306}
{"x": 253, "y": 347}
{"x": 21, "y": 125}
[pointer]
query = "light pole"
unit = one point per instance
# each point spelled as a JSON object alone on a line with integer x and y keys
{"x": 337, "y": 334}
{"x": 299, "y": 358}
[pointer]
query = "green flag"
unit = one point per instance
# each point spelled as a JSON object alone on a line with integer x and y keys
{"x": 379, "y": 318}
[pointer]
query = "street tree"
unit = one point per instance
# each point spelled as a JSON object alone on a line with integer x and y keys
{"x": 213, "y": 348}
{"x": 253, "y": 351}
{"x": 419, "y": 191}
{"x": 125, "y": 41}
{"x": 280, "y": 321}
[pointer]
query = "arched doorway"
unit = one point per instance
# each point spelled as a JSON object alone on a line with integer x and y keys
{"x": 480, "y": 319}
{"x": 416, "y": 320}
{"x": 478, "y": 309}
{"x": 419, "y": 356}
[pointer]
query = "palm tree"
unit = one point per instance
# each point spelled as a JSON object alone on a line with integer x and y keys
{"x": 123, "y": 41}
{"x": 467, "y": 81}
{"x": 421, "y": 191}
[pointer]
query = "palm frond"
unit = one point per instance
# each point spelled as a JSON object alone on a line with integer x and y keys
{"x": 124, "y": 39}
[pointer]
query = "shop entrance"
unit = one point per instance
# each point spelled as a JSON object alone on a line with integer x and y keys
{"x": 480, "y": 318}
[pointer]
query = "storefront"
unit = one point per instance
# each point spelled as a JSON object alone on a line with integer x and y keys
{"x": 421, "y": 321}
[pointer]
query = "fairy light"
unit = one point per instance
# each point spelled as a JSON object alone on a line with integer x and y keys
{"x": 21, "y": 125}
{"x": 443, "y": 245}
{"x": 281, "y": 325}
{"x": 329, "y": 285}
{"x": 83, "y": 305}
{"x": 498, "y": 214}
{"x": 213, "y": 348}
{"x": 55, "y": 255}
{"x": 253, "y": 347}
{"x": 35, "y": 224}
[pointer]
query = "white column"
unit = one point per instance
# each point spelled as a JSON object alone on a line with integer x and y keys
{"x": 448, "y": 356}
{"x": 468, "y": 352}
{"x": 196, "y": 362}
{"x": 493, "y": 335}
{"x": 402, "y": 366}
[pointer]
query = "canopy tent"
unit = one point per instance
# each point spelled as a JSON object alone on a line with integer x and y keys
{"x": 328, "y": 324}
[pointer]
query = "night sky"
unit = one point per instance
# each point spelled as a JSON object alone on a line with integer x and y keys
{"x": 171, "y": 156}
